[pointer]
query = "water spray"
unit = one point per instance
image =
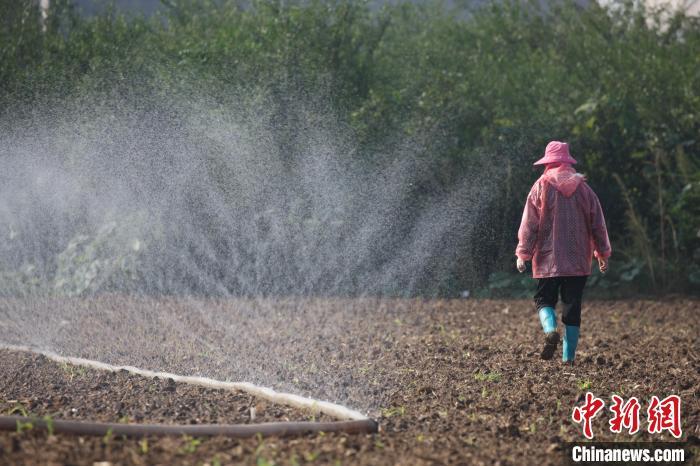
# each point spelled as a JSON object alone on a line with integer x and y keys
{"x": 198, "y": 236}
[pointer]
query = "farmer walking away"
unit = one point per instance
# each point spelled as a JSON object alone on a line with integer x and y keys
{"x": 562, "y": 229}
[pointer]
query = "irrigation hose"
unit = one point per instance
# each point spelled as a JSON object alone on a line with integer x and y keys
{"x": 288, "y": 399}
{"x": 279, "y": 429}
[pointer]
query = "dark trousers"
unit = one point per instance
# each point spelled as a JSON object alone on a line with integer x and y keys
{"x": 571, "y": 289}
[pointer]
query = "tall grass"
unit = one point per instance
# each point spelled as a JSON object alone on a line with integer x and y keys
{"x": 621, "y": 83}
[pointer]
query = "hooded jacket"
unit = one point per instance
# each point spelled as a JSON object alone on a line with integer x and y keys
{"x": 563, "y": 225}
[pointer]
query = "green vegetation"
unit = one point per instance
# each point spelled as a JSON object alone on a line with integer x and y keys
{"x": 24, "y": 426}
{"x": 72, "y": 370}
{"x": 394, "y": 411}
{"x": 108, "y": 436}
{"x": 49, "y": 424}
{"x": 18, "y": 409}
{"x": 619, "y": 83}
{"x": 190, "y": 444}
{"x": 487, "y": 376}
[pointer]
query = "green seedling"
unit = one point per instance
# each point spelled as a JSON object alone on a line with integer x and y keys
{"x": 73, "y": 370}
{"x": 394, "y": 411}
{"x": 18, "y": 409}
{"x": 487, "y": 376}
{"x": 261, "y": 444}
{"x": 23, "y": 426}
{"x": 260, "y": 461}
{"x": 585, "y": 384}
{"x": 143, "y": 446}
{"x": 190, "y": 445}
{"x": 49, "y": 424}
{"x": 108, "y": 437}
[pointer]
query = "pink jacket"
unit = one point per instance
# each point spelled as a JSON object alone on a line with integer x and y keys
{"x": 563, "y": 225}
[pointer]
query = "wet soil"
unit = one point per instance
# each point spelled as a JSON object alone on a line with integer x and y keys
{"x": 33, "y": 383}
{"x": 450, "y": 381}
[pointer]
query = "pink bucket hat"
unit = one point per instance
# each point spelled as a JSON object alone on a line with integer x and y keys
{"x": 556, "y": 152}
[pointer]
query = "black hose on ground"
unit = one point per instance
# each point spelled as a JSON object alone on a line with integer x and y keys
{"x": 279, "y": 429}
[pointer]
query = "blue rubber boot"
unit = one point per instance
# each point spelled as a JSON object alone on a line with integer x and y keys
{"x": 570, "y": 342}
{"x": 548, "y": 319}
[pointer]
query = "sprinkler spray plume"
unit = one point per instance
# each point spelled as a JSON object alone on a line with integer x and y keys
{"x": 217, "y": 236}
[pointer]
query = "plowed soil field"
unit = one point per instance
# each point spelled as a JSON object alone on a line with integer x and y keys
{"x": 450, "y": 382}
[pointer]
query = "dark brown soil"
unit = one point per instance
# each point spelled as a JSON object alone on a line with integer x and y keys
{"x": 451, "y": 382}
{"x": 37, "y": 385}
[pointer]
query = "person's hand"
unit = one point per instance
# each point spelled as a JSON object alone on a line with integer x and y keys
{"x": 602, "y": 264}
{"x": 520, "y": 264}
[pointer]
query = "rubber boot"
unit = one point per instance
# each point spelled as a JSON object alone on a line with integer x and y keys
{"x": 548, "y": 319}
{"x": 570, "y": 342}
